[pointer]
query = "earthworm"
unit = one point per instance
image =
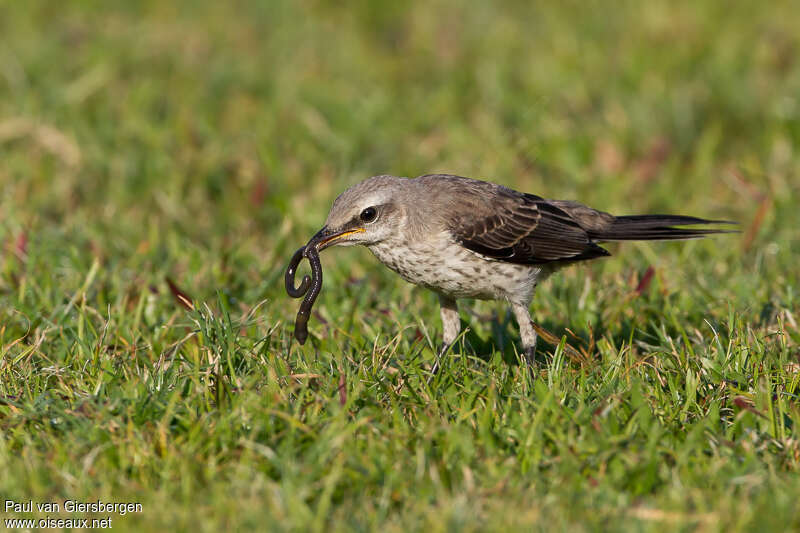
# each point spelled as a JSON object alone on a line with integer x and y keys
{"x": 291, "y": 271}
{"x": 310, "y": 287}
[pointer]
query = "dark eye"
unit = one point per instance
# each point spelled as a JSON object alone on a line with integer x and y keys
{"x": 368, "y": 215}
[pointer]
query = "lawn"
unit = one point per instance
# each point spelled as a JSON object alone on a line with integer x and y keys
{"x": 161, "y": 161}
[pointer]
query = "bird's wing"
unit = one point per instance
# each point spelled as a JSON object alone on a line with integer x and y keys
{"x": 510, "y": 226}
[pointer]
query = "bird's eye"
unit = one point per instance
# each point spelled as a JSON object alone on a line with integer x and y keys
{"x": 368, "y": 215}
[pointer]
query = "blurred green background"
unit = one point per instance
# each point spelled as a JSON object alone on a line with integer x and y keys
{"x": 205, "y": 141}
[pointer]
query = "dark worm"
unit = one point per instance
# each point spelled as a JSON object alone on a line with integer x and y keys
{"x": 291, "y": 272}
{"x": 310, "y": 287}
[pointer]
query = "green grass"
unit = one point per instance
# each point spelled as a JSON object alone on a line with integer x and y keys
{"x": 205, "y": 141}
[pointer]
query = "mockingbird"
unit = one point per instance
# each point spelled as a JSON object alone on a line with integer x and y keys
{"x": 465, "y": 238}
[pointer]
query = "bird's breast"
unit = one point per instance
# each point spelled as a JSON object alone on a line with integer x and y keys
{"x": 447, "y": 267}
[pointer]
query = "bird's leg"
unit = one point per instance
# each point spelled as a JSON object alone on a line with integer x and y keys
{"x": 451, "y": 324}
{"x": 526, "y": 332}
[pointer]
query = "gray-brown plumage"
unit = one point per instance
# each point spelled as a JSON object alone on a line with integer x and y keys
{"x": 465, "y": 238}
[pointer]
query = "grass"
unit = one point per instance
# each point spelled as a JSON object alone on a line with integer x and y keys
{"x": 204, "y": 141}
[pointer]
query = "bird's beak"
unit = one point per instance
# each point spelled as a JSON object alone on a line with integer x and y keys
{"x": 327, "y": 237}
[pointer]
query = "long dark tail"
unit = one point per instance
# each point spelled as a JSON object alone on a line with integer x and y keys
{"x": 657, "y": 228}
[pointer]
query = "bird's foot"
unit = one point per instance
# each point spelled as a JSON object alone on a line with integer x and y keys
{"x": 530, "y": 355}
{"x": 437, "y": 363}
{"x": 529, "y": 352}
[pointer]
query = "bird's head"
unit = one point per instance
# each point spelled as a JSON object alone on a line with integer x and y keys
{"x": 366, "y": 214}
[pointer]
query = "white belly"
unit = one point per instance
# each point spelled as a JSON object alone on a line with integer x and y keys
{"x": 454, "y": 271}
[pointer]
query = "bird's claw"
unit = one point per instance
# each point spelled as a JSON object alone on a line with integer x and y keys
{"x": 530, "y": 355}
{"x": 437, "y": 363}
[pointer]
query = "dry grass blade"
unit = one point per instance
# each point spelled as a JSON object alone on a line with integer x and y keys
{"x": 571, "y": 352}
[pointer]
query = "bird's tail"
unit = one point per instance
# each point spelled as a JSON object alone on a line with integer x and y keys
{"x": 657, "y": 228}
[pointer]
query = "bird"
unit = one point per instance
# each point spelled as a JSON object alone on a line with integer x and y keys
{"x": 465, "y": 238}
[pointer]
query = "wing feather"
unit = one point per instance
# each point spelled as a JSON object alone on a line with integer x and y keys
{"x": 506, "y": 225}
{"x": 521, "y": 228}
